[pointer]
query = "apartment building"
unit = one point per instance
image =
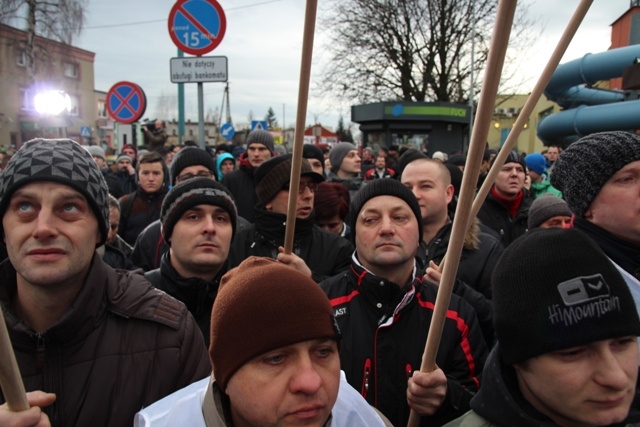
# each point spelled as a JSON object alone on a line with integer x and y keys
{"x": 57, "y": 67}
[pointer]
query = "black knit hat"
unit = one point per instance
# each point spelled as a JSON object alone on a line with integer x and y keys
{"x": 407, "y": 157}
{"x": 261, "y": 136}
{"x": 190, "y": 193}
{"x": 190, "y": 156}
{"x": 310, "y": 151}
{"x": 273, "y": 174}
{"x": 383, "y": 187}
{"x": 555, "y": 289}
{"x": 587, "y": 164}
{"x": 263, "y": 305}
{"x": 513, "y": 157}
{"x": 544, "y": 207}
{"x": 57, "y": 160}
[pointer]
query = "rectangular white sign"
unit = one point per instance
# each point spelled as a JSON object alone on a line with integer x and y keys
{"x": 199, "y": 69}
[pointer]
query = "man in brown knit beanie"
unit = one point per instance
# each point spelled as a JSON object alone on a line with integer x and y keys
{"x": 274, "y": 350}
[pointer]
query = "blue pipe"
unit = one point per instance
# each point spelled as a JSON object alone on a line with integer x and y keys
{"x": 590, "y": 69}
{"x": 569, "y": 125}
{"x": 606, "y": 111}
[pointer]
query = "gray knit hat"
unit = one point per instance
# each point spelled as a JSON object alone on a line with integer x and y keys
{"x": 96, "y": 151}
{"x": 57, "y": 160}
{"x": 338, "y": 153}
{"x": 190, "y": 193}
{"x": 555, "y": 289}
{"x": 261, "y": 136}
{"x": 383, "y": 187}
{"x": 545, "y": 207}
{"x": 585, "y": 167}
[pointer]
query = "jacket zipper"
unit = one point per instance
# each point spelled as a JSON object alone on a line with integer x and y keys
{"x": 39, "y": 353}
{"x": 365, "y": 378}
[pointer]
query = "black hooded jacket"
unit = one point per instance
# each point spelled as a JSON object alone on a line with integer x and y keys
{"x": 325, "y": 253}
{"x": 197, "y": 294}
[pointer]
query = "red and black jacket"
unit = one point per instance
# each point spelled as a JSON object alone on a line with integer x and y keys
{"x": 384, "y": 329}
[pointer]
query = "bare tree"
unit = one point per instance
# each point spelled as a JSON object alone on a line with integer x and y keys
{"x": 410, "y": 50}
{"x": 59, "y": 20}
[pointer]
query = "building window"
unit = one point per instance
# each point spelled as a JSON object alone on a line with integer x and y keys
{"x": 21, "y": 58}
{"x": 102, "y": 109}
{"x": 26, "y": 100}
{"x": 71, "y": 70}
{"x": 75, "y": 105}
{"x": 190, "y": 132}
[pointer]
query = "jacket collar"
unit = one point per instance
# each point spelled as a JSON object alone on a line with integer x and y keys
{"x": 196, "y": 293}
{"x": 272, "y": 226}
{"x": 87, "y": 309}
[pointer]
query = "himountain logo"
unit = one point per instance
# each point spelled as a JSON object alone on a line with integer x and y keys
{"x": 583, "y": 297}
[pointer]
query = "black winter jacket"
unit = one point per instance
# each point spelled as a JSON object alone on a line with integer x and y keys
{"x": 495, "y": 215}
{"x": 242, "y": 186}
{"x": 480, "y": 254}
{"x": 144, "y": 210}
{"x": 325, "y": 253}
{"x": 120, "y": 346}
{"x": 384, "y": 330}
{"x": 197, "y": 294}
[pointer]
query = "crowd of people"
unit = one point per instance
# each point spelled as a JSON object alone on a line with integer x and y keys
{"x": 157, "y": 291}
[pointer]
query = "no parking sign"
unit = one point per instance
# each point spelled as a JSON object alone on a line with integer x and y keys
{"x": 197, "y": 26}
{"x": 126, "y": 102}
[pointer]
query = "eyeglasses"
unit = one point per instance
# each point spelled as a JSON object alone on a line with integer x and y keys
{"x": 186, "y": 176}
{"x": 312, "y": 186}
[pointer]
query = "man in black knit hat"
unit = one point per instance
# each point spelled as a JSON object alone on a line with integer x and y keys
{"x": 241, "y": 183}
{"x": 384, "y": 311}
{"x": 316, "y": 252}
{"x": 599, "y": 177}
{"x": 190, "y": 162}
{"x": 198, "y": 222}
{"x": 567, "y": 352}
{"x": 79, "y": 328}
{"x": 506, "y": 208}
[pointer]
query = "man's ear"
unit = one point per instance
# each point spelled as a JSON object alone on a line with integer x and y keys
{"x": 268, "y": 207}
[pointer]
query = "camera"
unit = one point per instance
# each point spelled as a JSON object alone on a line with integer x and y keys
{"x": 150, "y": 124}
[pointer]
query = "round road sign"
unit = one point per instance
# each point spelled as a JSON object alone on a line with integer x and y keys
{"x": 197, "y": 26}
{"x": 126, "y": 102}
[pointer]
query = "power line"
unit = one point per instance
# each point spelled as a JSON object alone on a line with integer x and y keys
{"x": 153, "y": 21}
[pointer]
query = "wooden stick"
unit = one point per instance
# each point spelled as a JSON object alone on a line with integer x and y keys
{"x": 531, "y": 102}
{"x": 301, "y": 114}
{"x": 10, "y": 379}
{"x": 528, "y": 107}
{"x": 533, "y": 98}
{"x": 497, "y": 53}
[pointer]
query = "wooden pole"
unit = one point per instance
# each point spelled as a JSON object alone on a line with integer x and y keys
{"x": 428, "y": 362}
{"x": 497, "y": 53}
{"x": 301, "y": 114}
{"x": 531, "y": 102}
{"x": 10, "y": 379}
{"x": 528, "y": 107}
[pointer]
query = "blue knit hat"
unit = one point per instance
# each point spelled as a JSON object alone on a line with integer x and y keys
{"x": 536, "y": 163}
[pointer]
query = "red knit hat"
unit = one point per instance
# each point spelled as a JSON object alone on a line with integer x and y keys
{"x": 263, "y": 305}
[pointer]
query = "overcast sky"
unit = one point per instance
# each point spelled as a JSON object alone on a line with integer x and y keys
{"x": 263, "y": 45}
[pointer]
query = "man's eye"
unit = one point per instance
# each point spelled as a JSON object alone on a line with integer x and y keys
{"x": 70, "y": 208}
{"x": 275, "y": 359}
{"x": 24, "y": 206}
